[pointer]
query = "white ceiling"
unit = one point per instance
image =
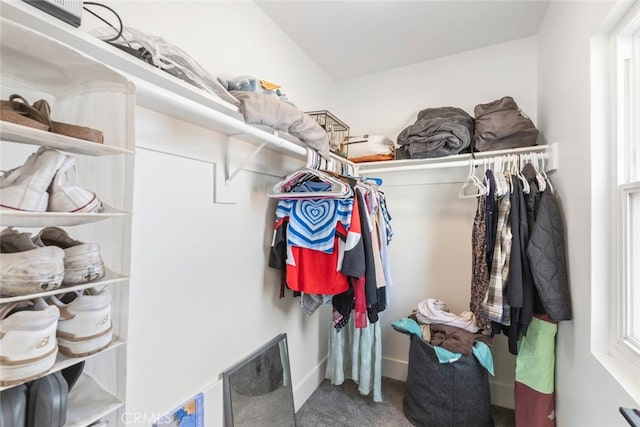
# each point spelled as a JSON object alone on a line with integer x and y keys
{"x": 350, "y": 38}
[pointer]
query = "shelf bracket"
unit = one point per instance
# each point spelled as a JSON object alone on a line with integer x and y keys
{"x": 223, "y": 175}
{"x": 233, "y": 174}
{"x": 552, "y": 157}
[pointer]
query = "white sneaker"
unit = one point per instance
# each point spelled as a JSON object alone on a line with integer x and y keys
{"x": 84, "y": 327}
{"x": 65, "y": 195}
{"x": 28, "y": 345}
{"x": 82, "y": 261}
{"x": 26, "y": 268}
{"x": 25, "y": 187}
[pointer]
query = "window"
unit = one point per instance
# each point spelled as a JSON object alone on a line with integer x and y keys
{"x": 627, "y": 166}
{"x": 615, "y": 192}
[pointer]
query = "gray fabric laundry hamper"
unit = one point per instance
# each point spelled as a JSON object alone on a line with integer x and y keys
{"x": 450, "y": 394}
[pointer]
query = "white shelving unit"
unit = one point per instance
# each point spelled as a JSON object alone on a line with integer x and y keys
{"x": 85, "y": 92}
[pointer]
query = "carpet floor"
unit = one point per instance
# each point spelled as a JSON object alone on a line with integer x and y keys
{"x": 344, "y": 406}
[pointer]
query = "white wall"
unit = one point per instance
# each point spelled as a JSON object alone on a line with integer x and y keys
{"x": 385, "y": 103}
{"x": 228, "y": 39}
{"x": 431, "y": 250}
{"x": 202, "y": 295}
{"x": 564, "y": 110}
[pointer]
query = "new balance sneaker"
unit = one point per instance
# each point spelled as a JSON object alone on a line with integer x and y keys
{"x": 82, "y": 261}
{"x": 65, "y": 195}
{"x": 84, "y": 327}
{"x": 26, "y": 268}
{"x": 28, "y": 344}
{"x": 25, "y": 187}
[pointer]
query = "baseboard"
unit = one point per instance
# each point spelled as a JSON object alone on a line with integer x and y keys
{"x": 395, "y": 369}
{"x": 502, "y": 394}
{"x": 213, "y": 404}
{"x": 303, "y": 390}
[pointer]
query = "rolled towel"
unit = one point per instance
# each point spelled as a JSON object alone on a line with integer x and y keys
{"x": 433, "y": 310}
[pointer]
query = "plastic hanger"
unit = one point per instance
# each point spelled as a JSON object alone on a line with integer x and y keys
{"x": 377, "y": 181}
{"x": 542, "y": 184}
{"x": 283, "y": 189}
{"x": 498, "y": 174}
{"x": 543, "y": 172}
{"x": 526, "y": 188}
{"x": 472, "y": 181}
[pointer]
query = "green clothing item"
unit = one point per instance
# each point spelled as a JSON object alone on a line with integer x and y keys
{"x": 536, "y": 359}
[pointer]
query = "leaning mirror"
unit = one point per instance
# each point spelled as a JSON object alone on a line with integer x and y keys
{"x": 257, "y": 391}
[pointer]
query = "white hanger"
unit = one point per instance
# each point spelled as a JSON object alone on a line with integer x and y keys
{"x": 337, "y": 188}
{"x": 526, "y": 188}
{"x": 544, "y": 172}
{"x": 506, "y": 174}
{"x": 542, "y": 184}
{"x": 498, "y": 174}
{"x": 472, "y": 180}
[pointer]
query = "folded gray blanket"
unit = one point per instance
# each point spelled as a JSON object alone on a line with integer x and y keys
{"x": 437, "y": 132}
{"x": 261, "y": 109}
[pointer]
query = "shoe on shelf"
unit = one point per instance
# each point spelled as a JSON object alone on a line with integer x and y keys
{"x": 65, "y": 195}
{"x": 11, "y": 111}
{"x": 28, "y": 344}
{"x": 84, "y": 327}
{"x": 82, "y": 261}
{"x": 26, "y": 268}
{"x": 40, "y": 112}
{"x": 25, "y": 187}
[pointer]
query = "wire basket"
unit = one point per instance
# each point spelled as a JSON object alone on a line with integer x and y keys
{"x": 336, "y": 129}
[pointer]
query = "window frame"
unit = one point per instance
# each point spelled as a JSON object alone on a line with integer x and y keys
{"x": 627, "y": 41}
{"x": 615, "y": 162}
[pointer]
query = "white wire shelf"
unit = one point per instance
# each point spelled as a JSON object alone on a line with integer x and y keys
{"x": 458, "y": 160}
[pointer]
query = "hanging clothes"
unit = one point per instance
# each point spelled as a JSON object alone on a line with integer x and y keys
{"x": 534, "y": 382}
{"x": 546, "y": 253}
{"x": 520, "y": 288}
{"x": 332, "y": 248}
{"x": 479, "y": 267}
{"x": 312, "y": 222}
{"x": 528, "y": 291}
{"x": 356, "y": 354}
{"x": 494, "y": 305}
{"x": 314, "y": 271}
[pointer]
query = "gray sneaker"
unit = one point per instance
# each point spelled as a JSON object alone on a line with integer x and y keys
{"x": 26, "y": 268}
{"x": 82, "y": 261}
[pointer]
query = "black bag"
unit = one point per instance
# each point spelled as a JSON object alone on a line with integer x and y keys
{"x": 501, "y": 125}
{"x": 13, "y": 403}
{"x": 445, "y": 395}
{"x": 47, "y": 401}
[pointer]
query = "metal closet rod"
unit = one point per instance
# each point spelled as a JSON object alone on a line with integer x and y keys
{"x": 460, "y": 160}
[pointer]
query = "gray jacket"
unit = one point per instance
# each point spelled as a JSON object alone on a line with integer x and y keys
{"x": 546, "y": 253}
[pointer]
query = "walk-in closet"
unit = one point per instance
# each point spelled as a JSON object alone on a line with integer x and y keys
{"x": 198, "y": 194}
